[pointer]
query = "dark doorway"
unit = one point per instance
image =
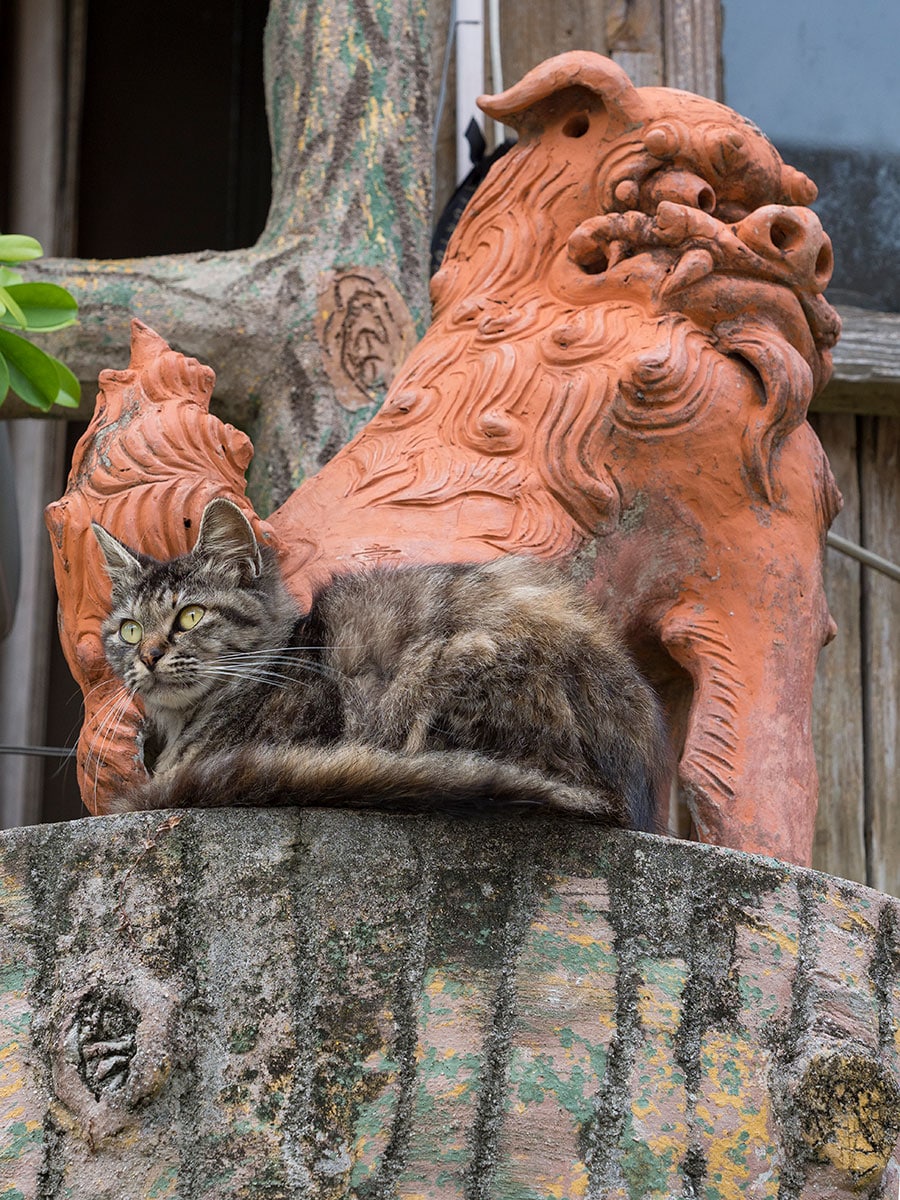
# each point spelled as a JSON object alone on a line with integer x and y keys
{"x": 174, "y": 149}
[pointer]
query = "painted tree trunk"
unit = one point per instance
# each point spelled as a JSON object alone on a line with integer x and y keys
{"x": 306, "y": 327}
{"x": 323, "y": 1005}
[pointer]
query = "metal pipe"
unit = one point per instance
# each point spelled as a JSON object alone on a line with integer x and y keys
{"x": 469, "y": 77}
{"x": 866, "y": 557}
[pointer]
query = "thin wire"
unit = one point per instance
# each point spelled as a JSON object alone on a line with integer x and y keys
{"x": 40, "y": 751}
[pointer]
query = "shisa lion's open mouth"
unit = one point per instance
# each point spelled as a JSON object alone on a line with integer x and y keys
{"x": 774, "y": 244}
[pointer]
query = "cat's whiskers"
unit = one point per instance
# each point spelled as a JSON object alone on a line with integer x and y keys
{"x": 101, "y": 716}
{"x": 255, "y": 676}
{"x": 104, "y": 683}
{"x": 79, "y": 721}
{"x": 257, "y": 658}
{"x": 110, "y": 712}
{"x": 298, "y": 649}
{"x": 110, "y": 724}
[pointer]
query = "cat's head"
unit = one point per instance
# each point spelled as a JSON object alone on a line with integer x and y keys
{"x": 175, "y": 627}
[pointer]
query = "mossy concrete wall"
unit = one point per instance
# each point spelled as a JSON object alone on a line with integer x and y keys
{"x": 324, "y": 1005}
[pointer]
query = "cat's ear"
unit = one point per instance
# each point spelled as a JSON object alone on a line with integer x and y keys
{"x": 226, "y": 536}
{"x": 121, "y": 565}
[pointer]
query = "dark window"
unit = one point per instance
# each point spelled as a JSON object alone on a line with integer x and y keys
{"x": 822, "y": 81}
{"x": 174, "y": 151}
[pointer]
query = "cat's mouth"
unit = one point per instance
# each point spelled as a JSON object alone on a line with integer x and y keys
{"x": 162, "y": 691}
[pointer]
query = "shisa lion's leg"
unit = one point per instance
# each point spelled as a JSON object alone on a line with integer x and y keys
{"x": 628, "y": 328}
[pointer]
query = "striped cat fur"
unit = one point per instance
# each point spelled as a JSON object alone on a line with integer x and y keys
{"x": 452, "y": 688}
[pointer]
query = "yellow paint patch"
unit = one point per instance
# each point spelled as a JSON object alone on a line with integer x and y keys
{"x": 574, "y": 1184}
{"x": 435, "y": 986}
{"x": 786, "y": 942}
{"x": 733, "y": 1113}
{"x": 850, "y": 1150}
{"x": 854, "y": 921}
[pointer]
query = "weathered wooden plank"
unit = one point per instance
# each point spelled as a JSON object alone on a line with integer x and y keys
{"x": 693, "y": 46}
{"x": 25, "y": 653}
{"x": 880, "y": 499}
{"x": 839, "y": 846}
{"x": 634, "y": 39}
{"x": 532, "y": 32}
{"x": 866, "y": 365}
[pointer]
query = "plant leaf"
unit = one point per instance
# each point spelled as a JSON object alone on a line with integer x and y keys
{"x": 4, "y": 378}
{"x": 32, "y": 374}
{"x": 8, "y": 302}
{"x": 69, "y": 395}
{"x": 45, "y": 306}
{"x": 8, "y": 276}
{"x": 16, "y": 247}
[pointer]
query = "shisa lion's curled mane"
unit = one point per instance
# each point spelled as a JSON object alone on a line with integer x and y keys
{"x": 609, "y": 271}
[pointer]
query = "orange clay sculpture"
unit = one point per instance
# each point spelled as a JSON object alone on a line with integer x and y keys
{"x": 628, "y": 328}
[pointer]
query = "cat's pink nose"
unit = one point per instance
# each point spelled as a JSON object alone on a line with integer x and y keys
{"x": 151, "y": 654}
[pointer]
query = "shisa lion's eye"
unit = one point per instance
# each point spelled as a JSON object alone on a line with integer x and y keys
{"x": 131, "y": 632}
{"x": 190, "y": 616}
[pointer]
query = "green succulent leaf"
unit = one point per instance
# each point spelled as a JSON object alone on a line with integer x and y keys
{"x": 69, "y": 394}
{"x": 45, "y": 306}
{"x": 16, "y": 247}
{"x": 8, "y": 276}
{"x": 13, "y": 314}
{"x": 37, "y": 377}
{"x": 32, "y": 373}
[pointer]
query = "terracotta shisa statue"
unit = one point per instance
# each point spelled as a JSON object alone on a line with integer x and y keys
{"x": 628, "y": 328}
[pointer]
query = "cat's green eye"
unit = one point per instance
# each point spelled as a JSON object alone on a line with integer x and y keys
{"x": 190, "y": 616}
{"x": 131, "y": 632}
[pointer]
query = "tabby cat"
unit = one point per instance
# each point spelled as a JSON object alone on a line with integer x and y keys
{"x": 427, "y": 688}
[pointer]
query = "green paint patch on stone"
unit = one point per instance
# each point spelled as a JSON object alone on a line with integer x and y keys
{"x": 243, "y": 1039}
{"x": 13, "y": 978}
{"x": 531, "y": 1079}
{"x": 730, "y": 1078}
{"x": 752, "y": 997}
{"x": 20, "y": 1138}
{"x": 583, "y": 957}
{"x": 16, "y": 1025}
{"x": 738, "y": 1153}
{"x": 161, "y": 1185}
{"x": 383, "y": 10}
{"x": 647, "y": 1175}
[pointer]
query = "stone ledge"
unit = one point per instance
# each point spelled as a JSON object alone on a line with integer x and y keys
{"x": 319, "y": 1004}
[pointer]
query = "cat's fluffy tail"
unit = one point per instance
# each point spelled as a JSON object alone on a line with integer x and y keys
{"x": 356, "y": 776}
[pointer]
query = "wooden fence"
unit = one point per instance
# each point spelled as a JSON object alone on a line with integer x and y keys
{"x": 857, "y": 699}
